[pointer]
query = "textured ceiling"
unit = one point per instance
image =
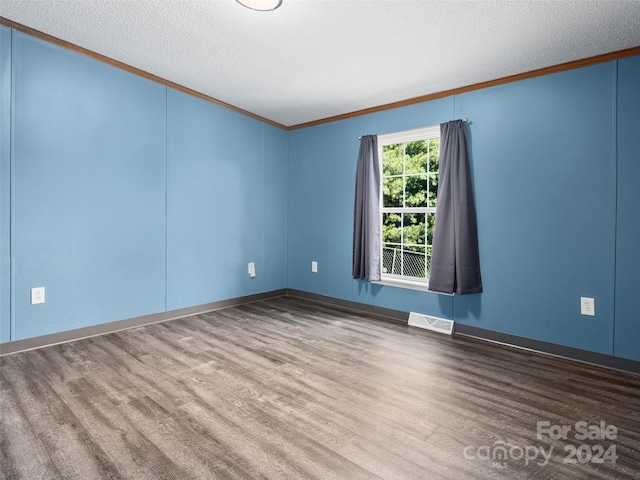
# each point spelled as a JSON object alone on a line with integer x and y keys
{"x": 311, "y": 60}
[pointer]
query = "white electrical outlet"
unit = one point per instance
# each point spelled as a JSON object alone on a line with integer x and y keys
{"x": 588, "y": 306}
{"x": 314, "y": 267}
{"x": 37, "y": 295}
{"x": 252, "y": 269}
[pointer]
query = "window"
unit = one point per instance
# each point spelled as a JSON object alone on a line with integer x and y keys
{"x": 409, "y": 193}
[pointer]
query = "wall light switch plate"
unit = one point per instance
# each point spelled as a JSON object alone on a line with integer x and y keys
{"x": 37, "y": 295}
{"x": 314, "y": 267}
{"x": 252, "y": 269}
{"x": 588, "y": 306}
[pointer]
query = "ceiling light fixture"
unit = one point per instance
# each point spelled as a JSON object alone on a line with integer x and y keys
{"x": 261, "y": 5}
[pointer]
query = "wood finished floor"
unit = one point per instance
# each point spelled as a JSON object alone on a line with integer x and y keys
{"x": 288, "y": 389}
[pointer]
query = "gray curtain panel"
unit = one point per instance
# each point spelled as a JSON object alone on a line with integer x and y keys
{"x": 455, "y": 260}
{"x": 366, "y": 221}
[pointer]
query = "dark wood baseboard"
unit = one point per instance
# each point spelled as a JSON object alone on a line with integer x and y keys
{"x": 570, "y": 353}
{"x": 104, "y": 328}
{"x": 562, "y": 351}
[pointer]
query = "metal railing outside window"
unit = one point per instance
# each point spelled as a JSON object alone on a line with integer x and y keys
{"x": 408, "y": 263}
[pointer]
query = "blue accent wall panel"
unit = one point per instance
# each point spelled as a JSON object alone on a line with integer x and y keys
{"x": 321, "y": 180}
{"x": 627, "y": 322}
{"x": 89, "y": 165}
{"x": 215, "y": 208}
{"x": 544, "y": 179}
{"x": 274, "y": 272}
{"x": 5, "y": 184}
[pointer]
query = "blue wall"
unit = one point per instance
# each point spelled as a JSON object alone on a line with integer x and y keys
{"x": 5, "y": 183}
{"x": 88, "y": 166}
{"x": 219, "y": 215}
{"x": 544, "y": 167}
{"x": 127, "y": 198}
{"x": 627, "y": 314}
{"x": 124, "y": 198}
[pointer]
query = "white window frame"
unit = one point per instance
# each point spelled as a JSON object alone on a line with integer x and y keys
{"x": 406, "y": 136}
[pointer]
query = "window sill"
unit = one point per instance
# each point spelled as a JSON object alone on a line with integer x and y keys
{"x": 408, "y": 284}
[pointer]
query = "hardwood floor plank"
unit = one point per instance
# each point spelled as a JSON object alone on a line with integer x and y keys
{"x": 55, "y": 425}
{"x": 25, "y": 455}
{"x": 291, "y": 389}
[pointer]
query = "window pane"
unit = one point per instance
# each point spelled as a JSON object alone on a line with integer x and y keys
{"x": 415, "y": 160}
{"x": 392, "y": 158}
{"x": 392, "y": 259}
{"x": 431, "y": 220}
{"x": 414, "y": 229}
{"x": 392, "y": 243}
{"x": 433, "y": 190}
{"x": 391, "y": 228}
{"x": 414, "y": 262}
{"x": 416, "y": 191}
{"x": 413, "y": 253}
{"x": 434, "y": 154}
{"x": 392, "y": 192}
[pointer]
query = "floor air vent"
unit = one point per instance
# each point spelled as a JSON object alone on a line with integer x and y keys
{"x": 431, "y": 323}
